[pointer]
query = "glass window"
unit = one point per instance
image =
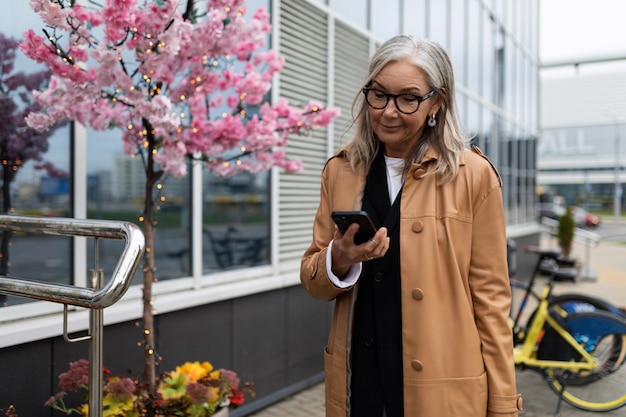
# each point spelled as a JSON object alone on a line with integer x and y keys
{"x": 414, "y": 15}
{"x": 458, "y": 33}
{"x": 354, "y": 11}
{"x": 476, "y": 48}
{"x": 35, "y": 174}
{"x": 235, "y": 221}
{"x": 533, "y": 32}
{"x": 438, "y": 22}
{"x": 533, "y": 77}
{"x": 116, "y": 190}
{"x": 473, "y": 118}
{"x": 488, "y": 57}
{"x": 385, "y": 18}
{"x": 488, "y": 130}
{"x": 509, "y": 76}
{"x": 461, "y": 106}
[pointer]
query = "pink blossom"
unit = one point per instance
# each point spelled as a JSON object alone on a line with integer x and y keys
{"x": 153, "y": 68}
{"x": 172, "y": 158}
{"x": 39, "y": 121}
{"x": 292, "y": 166}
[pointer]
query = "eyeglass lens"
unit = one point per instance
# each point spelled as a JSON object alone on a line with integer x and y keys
{"x": 406, "y": 103}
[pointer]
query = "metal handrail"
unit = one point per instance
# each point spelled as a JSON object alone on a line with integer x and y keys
{"x": 95, "y": 298}
{"x": 68, "y": 294}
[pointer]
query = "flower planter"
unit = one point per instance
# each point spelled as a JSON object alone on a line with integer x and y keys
{"x": 221, "y": 413}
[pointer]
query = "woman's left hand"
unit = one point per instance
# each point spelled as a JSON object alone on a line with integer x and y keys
{"x": 345, "y": 253}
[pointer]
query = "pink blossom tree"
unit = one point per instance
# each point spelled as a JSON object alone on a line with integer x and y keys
{"x": 178, "y": 83}
{"x": 19, "y": 143}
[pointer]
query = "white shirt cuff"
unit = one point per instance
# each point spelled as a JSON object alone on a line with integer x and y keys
{"x": 351, "y": 277}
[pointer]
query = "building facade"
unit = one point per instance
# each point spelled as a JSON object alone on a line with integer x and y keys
{"x": 228, "y": 251}
{"x": 582, "y": 149}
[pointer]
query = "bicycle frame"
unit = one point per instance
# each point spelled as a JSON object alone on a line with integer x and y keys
{"x": 524, "y": 354}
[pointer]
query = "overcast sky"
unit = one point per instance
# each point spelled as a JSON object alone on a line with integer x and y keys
{"x": 581, "y": 28}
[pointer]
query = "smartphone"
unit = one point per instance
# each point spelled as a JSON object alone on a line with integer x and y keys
{"x": 344, "y": 219}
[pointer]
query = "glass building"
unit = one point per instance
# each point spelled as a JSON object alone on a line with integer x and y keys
{"x": 582, "y": 153}
{"x": 228, "y": 250}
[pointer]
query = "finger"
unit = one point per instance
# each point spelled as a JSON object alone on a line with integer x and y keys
{"x": 381, "y": 249}
{"x": 351, "y": 231}
{"x": 337, "y": 234}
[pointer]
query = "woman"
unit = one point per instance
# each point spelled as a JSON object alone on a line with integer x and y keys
{"x": 420, "y": 322}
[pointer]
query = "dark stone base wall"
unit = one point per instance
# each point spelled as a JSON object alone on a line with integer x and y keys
{"x": 273, "y": 339}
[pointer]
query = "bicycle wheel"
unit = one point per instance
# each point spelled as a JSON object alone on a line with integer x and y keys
{"x": 580, "y": 303}
{"x": 603, "y": 389}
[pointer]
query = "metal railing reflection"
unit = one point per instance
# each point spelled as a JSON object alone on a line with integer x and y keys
{"x": 97, "y": 297}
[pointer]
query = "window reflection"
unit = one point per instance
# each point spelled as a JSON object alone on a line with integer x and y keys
{"x": 35, "y": 166}
{"x": 235, "y": 221}
{"x": 116, "y": 191}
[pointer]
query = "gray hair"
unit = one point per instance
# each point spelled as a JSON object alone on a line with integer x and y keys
{"x": 446, "y": 137}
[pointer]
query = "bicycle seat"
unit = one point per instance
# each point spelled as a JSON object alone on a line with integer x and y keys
{"x": 542, "y": 252}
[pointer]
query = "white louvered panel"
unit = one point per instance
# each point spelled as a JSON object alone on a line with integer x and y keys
{"x": 303, "y": 43}
{"x": 351, "y": 61}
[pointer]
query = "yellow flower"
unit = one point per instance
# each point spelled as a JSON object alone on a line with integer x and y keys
{"x": 214, "y": 394}
{"x": 174, "y": 385}
{"x": 195, "y": 370}
{"x": 112, "y": 407}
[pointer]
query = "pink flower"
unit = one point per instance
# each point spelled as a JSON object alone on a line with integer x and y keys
{"x": 58, "y": 396}
{"x": 120, "y": 388}
{"x": 179, "y": 82}
{"x": 76, "y": 377}
{"x": 39, "y": 121}
{"x": 198, "y": 393}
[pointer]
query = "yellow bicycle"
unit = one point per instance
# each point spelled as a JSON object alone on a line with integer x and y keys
{"x": 576, "y": 342}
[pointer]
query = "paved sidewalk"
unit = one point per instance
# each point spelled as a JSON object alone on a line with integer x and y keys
{"x": 607, "y": 260}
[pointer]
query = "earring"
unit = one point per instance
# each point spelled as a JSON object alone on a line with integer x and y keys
{"x": 431, "y": 121}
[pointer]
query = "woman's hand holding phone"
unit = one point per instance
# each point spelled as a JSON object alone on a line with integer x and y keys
{"x": 353, "y": 241}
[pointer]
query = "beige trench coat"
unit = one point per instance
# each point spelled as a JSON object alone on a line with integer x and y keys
{"x": 457, "y": 344}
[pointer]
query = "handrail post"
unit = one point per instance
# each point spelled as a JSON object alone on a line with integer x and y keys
{"x": 96, "y": 346}
{"x": 96, "y": 298}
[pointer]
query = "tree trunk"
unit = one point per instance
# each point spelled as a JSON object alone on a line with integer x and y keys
{"x": 149, "y": 229}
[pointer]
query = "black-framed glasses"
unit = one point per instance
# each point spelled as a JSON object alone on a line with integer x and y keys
{"x": 405, "y": 103}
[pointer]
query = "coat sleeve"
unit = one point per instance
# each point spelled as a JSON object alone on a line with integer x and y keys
{"x": 491, "y": 297}
{"x": 313, "y": 269}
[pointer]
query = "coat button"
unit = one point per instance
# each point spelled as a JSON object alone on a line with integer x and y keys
{"x": 378, "y": 277}
{"x": 369, "y": 343}
{"x": 417, "y": 293}
{"x": 417, "y": 365}
{"x": 417, "y": 226}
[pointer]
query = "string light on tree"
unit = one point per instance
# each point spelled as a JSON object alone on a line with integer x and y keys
{"x": 173, "y": 100}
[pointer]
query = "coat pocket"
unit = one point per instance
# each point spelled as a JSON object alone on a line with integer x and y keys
{"x": 335, "y": 386}
{"x": 450, "y": 397}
